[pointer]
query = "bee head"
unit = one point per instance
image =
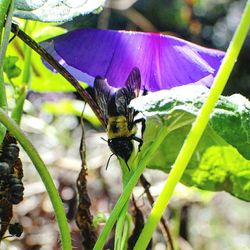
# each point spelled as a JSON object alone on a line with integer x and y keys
{"x": 122, "y": 147}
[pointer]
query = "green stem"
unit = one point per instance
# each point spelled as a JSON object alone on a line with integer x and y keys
{"x": 45, "y": 176}
{"x": 3, "y": 103}
{"x": 6, "y": 32}
{"x": 26, "y": 78}
{"x": 147, "y": 155}
{"x": 196, "y": 131}
{"x": 27, "y": 54}
{"x": 119, "y": 231}
{"x": 4, "y": 6}
{"x": 125, "y": 236}
{"x": 17, "y": 111}
{"x": 3, "y": 98}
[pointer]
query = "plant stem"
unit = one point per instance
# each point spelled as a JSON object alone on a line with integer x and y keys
{"x": 3, "y": 103}
{"x": 27, "y": 54}
{"x": 4, "y": 6}
{"x": 26, "y": 78}
{"x": 147, "y": 155}
{"x": 126, "y": 230}
{"x": 6, "y": 32}
{"x": 45, "y": 176}
{"x": 164, "y": 227}
{"x": 196, "y": 131}
{"x": 119, "y": 231}
{"x": 17, "y": 111}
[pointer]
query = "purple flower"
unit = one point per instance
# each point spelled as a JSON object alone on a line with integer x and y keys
{"x": 164, "y": 61}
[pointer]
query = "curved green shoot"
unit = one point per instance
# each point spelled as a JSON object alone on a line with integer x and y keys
{"x": 196, "y": 131}
{"x": 45, "y": 176}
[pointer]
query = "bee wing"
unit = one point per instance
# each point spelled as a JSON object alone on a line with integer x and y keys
{"x": 103, "y": 94}
{"x": 129, "y": 92}
{"x": 133, "y": 83}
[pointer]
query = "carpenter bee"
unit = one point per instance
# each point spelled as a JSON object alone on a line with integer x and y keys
{"x": 118, "y": 116}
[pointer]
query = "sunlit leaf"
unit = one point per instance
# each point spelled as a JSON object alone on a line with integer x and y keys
{"x": 55, "y": 10}
{"x": 221, "y": 160}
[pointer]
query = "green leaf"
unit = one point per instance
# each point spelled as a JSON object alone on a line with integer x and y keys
{"x": 55, "y": 10}
{"x": 225, "y": 142}
{"x": 223, "y": 168}
{"x": 10, "y": 67}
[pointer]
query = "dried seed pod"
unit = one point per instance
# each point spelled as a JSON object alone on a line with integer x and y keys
{"x": 16, "y": 229}
{"x": 4, "y": 169}
{"x": 15, "y": 189}
{"x": 10, "y": 153}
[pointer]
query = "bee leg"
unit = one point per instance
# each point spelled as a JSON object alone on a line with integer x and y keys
{"x": 15, "y": 30}
{"x": 138, "y": 140}
{"x": 143, "y": 124}
{"x": 145, "y": 91}
{"x": 108, "y": 161}
{"x": 127, "y": 166}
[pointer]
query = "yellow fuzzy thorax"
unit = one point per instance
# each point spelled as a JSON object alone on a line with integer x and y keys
{"x": 118, "y": 127}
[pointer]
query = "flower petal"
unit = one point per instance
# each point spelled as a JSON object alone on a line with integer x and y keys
{"x": 164, "y": 61}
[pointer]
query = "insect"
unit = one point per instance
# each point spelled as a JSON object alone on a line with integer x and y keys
{"x": 118, "y": 116}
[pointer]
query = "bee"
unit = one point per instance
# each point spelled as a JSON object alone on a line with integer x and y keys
{"x": 118, "y": 117}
